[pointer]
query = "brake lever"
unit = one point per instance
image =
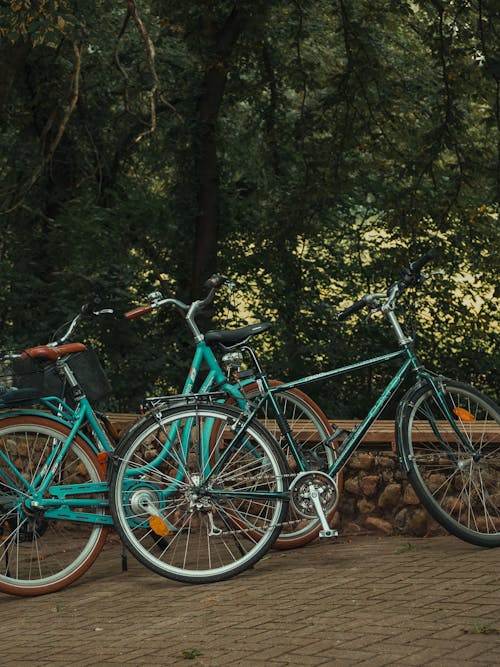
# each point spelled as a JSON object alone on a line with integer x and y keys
{"x": 153, "y": 297}
{"x": 104, "y": 311}
{"x": 426, "y": 276}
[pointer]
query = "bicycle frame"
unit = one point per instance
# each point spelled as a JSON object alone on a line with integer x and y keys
{"x": 409, "y": 364}
{"x": 63, "y": 500}
{"x": 215, "y": 379}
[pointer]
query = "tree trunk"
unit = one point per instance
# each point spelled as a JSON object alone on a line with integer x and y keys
{"x": 207, "y": 170}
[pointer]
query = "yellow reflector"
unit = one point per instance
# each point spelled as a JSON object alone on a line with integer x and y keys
{"x": 159, "y": 526}
{"x": 463, "y": 414}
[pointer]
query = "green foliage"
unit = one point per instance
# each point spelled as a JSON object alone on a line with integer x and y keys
{"x": 344, "y": 139}
{"x": 41, "y": 22}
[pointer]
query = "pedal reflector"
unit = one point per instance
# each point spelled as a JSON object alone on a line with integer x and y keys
{"x": 159, "y": 527}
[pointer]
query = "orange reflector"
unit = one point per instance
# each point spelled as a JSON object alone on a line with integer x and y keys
{"x": 463, "y": 414}
{"x": 102, "y": 457}
{"x": 159, "y": 526}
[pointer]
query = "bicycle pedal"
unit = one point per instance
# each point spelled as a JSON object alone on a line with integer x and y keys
{"x": 328, "y": 533}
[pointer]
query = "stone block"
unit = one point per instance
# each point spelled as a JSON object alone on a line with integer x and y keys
{"x": 369, "y": 484}
{"x": 362, "y": 461}
{"x": 379, "y": 524}
{"x": 410, "y": 497}
{"x": 365, "y": 506}
{"x": 418, "y": 523}
{"x": 351, "y": 485}
{"x": 390, "y": 496}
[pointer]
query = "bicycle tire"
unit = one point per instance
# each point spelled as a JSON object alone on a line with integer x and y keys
{"x": 310, "y": 428}
{"x": 461, "y": 494}
{"x": 40, "y": 555}
{"x": 171, "y": 519}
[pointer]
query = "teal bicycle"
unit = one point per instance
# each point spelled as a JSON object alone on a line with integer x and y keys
{"x": 54, "y": 513}
{"x": 54, "y": 508}
{"x": 200, "y": 491}
{"x": 309, "y": 427}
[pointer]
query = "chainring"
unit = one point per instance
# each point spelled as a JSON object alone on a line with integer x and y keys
{"x": 307, "y": 483}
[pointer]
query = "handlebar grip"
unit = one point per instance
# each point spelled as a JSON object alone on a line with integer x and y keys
{"x": 138, "y": 312}
{"x": 216, "y": 280}
{"x": 350, "y": 310}
{"x": 422, "y": 261}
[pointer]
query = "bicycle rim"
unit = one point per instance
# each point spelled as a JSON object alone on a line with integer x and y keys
{"x": 179, "y": 523}
{"x": 39, "y": 555}
{"x": 461, "y": 493}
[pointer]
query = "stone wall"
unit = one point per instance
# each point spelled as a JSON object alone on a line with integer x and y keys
{"x": 377, "y": 497}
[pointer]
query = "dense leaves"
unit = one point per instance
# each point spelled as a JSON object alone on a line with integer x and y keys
{"x": 308, "y": 150}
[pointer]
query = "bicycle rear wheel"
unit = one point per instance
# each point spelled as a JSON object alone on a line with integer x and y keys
{"x": 460, "y": 491}
{"x": 39, "y": 554}
{"x": 192, "y": 514}
{"x": 310, "y": 429}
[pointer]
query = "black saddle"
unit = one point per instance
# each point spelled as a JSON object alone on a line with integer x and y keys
{"x": 231, "y": 337}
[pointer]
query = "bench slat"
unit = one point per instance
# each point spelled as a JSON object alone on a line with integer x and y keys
{"x": 381, "y": 432}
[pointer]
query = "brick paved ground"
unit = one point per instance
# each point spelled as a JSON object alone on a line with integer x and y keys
{"x": 370, "y": 601}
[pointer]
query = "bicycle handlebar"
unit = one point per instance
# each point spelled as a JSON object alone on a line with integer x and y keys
{"x": 215, "y": 281}
{"x": 157, "y": 301}
{"x": 353, "y": 308}
{"x": 422, "y": 261}
{"x": 87, "y": 310}
{"x": 409, "y": 277}
{"x": 139, "y": 311}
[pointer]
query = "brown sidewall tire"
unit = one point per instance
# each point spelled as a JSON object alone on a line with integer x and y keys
{"x": 28, "y": 591}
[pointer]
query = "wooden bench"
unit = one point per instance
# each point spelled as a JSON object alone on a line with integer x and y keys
{"x": 382, "y": 432}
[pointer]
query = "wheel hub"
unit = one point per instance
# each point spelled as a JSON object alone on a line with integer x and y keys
{"x": 142, "y": 499}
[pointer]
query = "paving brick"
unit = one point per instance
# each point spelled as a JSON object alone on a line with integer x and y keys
{"x": 356, "y": 602}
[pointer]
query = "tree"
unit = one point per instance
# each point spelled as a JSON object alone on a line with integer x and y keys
{"x": 307, "y": 149}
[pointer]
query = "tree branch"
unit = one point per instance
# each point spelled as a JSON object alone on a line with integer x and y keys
{"x": 154, "y": 92}
{"x": 48, "y": 152}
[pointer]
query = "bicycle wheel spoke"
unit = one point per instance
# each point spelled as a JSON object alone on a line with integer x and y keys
{"x": 457, "y": 477}
{"x": 178, "y": 487}
{"x": 41, "y": 554}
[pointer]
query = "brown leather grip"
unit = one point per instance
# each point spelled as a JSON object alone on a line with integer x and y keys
{"x": 138, "y": 312}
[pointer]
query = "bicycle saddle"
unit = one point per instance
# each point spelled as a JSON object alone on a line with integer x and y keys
{"x": 230, "y": 337}
{"x": 49, "y": 353}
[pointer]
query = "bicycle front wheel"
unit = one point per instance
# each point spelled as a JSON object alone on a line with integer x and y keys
{"x": 190, "y": 512}
{"x": 310, "y": 430}
{"x": 39, "y": 554}
{"x": 456, "y": 477}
